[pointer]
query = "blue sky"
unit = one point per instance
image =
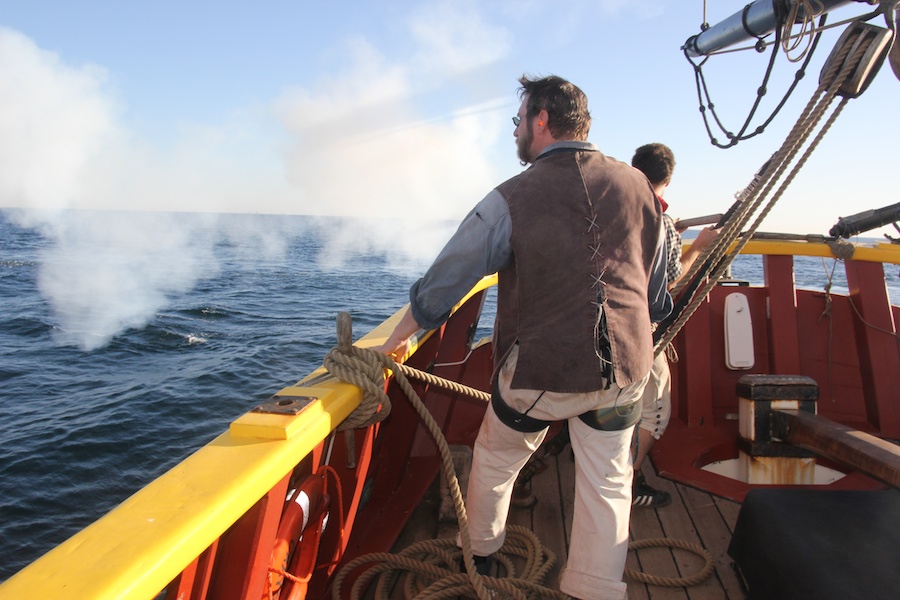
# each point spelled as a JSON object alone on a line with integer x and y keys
{"x": 388, "y": 108}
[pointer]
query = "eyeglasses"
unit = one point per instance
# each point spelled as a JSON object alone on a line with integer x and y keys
{"x": 516, "y": 120}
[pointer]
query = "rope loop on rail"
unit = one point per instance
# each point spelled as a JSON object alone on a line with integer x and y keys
{"x": 365, "y": 370}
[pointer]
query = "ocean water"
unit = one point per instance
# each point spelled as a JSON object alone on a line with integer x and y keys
{"x": 97, "y": 399}
{"x": 128, "y": 341}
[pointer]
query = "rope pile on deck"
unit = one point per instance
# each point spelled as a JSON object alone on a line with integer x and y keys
{"x": 431, "y": 567}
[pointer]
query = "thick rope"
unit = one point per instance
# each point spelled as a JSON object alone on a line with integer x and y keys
{"x": 695, "y": 579}
{"x": 789, "y": 42}
{"x": 363, "y": 369}
{"x": 377, "y": 396}
{"x": 430, "y": 569}
{"x": 715, "y": 260}
{"x": 751, "y": 198}
{"x": 431, "y": 566}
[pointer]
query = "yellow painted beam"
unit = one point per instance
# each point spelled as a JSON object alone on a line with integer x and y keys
{"x": 145, "y": 542}
{"x": 880, "y": 252}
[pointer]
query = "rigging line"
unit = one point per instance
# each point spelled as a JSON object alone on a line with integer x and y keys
{"x": 704, "y": 263}
{"x": 790, "y": 43}
{"x": 803, "y": 159}
{"x": 826, "y": 312}
{"x": 745, "y": 203}
{"x": 812, "y": 114}
{"x": 761, "y": 91}
{"x": 747, "y": 236}
{"x": 818, "y": 112}
{"x": 869, "y": 325}
{"x": 801, "y": 131}
{"x": 800, "y": 74}
{"x": 723, "y": 265}
{"x": 750, "y": 192}
{"x": 807, "y": 55}
{"x": 698, "y": 81}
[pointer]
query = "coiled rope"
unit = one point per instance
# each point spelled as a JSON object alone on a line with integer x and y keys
{"x": 431, "y": 566}
{"x": 695, "y": 579}
{"x": 342, "y": 362}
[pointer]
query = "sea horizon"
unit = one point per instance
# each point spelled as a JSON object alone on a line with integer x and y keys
{"x": 122, "y": 354}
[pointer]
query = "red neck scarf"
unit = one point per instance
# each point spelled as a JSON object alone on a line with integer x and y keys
{"x": 662, "y": 203}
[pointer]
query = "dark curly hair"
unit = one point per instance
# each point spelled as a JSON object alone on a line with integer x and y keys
{"x": 656, "y": 161}
{"x": 564, "y": 102}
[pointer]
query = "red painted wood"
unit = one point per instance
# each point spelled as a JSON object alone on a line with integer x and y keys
{"x": 879, "y": 355}
{"x": 468, "y": 412}
{"x": 695, "y": 384}
{"x": 784, "y": 341}
{"x": 796, "y": 339}
{"x": 681, "y": 453}
{"x": 337, "y": 545}
{"x": 246, "y": 548}
{"x": 404, "y": 422}
{"x": 451, "y": 363}
{"x": 205, "y": 565}
{"x": 193, "y": 582}
{"x": 829, "y": 356}
{"x": 822, "y": 341}
{"x": 182, "y": 586}
{"x": 458, "y": 414}
{"x": 724, "y": 380}
{"x": 406, "y": 455}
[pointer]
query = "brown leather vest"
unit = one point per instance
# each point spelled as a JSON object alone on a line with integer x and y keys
{"x": 581, "y": 222}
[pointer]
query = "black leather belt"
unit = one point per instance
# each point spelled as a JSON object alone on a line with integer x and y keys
{"x": 613, "y": 418}
{"x": 514, "y": 419}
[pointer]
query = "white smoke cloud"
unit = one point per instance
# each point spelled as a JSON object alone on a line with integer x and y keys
{"x": 104, "y": 275}
{"x": 358, "y": 143}
{"x": 53, "y": 121}
{"x": 454, "y": 38}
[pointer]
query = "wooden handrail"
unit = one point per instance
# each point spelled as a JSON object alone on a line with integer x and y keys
{"x": 860, "y": 451}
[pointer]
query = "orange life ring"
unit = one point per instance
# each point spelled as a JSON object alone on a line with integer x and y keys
{"x": 301, "y": 504}
{"x": 303, "y": 561}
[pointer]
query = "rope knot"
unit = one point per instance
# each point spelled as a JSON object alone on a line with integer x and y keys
{"x": 841, "y": 249}
{"x": 362, "y": 368}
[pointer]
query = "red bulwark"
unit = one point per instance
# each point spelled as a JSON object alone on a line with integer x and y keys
{"x": 847, "y": 344}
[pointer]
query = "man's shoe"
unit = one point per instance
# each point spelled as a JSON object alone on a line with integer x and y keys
{"x": 483, "y": 564}
{"x": 645, "y": 496}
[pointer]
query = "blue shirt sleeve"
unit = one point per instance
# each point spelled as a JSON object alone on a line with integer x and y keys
{"x": 479, "y": 247}
{"x": 657, "y": 292}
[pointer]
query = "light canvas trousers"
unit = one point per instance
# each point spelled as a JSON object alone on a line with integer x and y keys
{"x": 599, "y": 543}
{"x": 657, "y": 398}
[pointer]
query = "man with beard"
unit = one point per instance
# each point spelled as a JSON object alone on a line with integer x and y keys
{"x": 575, "y": 240}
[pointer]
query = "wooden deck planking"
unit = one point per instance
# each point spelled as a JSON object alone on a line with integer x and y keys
{"x": 544, "y": 517}
{"x": 670, "y": 521}
{"x": 715, "y": 535}
{"x": 693, "y": 516}
{"x": 698, "y": 518}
